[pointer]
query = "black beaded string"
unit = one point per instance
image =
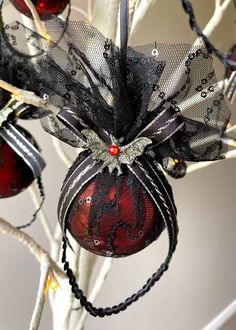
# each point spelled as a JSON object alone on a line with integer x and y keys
{"x": 42, "y": 195}
{"x": 210, "y": 47}
{"x": 108, "y": 311}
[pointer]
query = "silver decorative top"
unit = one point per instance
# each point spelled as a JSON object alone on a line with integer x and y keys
{"x": 125, "y": 155}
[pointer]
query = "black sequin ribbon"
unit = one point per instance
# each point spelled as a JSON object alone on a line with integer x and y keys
{"x": 16, "y": 140}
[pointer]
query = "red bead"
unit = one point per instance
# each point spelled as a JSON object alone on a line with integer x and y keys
{"x": 15, "y": 174}
{"x": 92, "y": 218}
{"x": 45, "y": 8}
{"x": 113, "y": 150}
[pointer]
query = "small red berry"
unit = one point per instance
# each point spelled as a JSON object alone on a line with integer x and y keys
{"x": 113, "y": 150}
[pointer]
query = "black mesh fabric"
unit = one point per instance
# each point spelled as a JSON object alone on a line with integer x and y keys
{"x": 17, "y": 69}
{"x": 85, "y": 71}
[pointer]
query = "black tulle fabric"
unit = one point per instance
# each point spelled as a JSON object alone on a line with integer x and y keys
{"x": 85, "y": 71}
{"x": 17, "y": 69}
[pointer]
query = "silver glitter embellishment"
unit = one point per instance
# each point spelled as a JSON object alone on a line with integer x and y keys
{"x": 127, "y": 154}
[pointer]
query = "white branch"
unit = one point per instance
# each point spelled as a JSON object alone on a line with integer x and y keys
{"x": 40, "y": 300}
{"x": 220, "y": 320}
{"x": 85, "y": 267}
{"x": 35, "y": 248}
{"x": 90, "y": 10}
{"x": 140, "y": 11}
{"x": 216, "y": 18}
{"x": 80, "y": 11}
{"x": 62, "y": 311}
{"x": 41, "y": 214}
{"x": 38, "y": 23}
{"x": 105, "y": 17}
{"x": 132, "y": 8}
{"x": 28, "y": 97}
{"x": 55, "y": 247}
{"x": 86, "y": 263}
{"x": 231, "y": 129}
{"x": 96, "y": 289}
{"x": 64, "y": 157}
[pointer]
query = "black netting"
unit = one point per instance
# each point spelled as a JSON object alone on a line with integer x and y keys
{"x": 85, "y": 71}
{"x": 18, "y": 70}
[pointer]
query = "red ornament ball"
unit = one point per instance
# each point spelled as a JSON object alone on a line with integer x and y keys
{"x": 45, "y": 8}
{"x": 113, "y": 218}
{"x": 15, "y": 174}
{"x": 113, "y": 150}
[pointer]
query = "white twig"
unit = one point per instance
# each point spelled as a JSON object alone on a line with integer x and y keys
{"x": 40, "y": 300}
{"x": 35, "y": 248}
{"x": 64, "y": 157}
{"x": 28, "y": 97}
{"x": 85, "y": 266}
{"x": 132, "y": 8}
{"x": 38, "y": 23}
{"x": 200, "y": 165}
{"x": 62, "y": 311}
{"x": 216, "y": 18}
{"x": 90, "y": 10}
{"x": 96, "y": 289}
{"x": 80, "y": 11}
{"x": 222, "y": 318}
{"x": 105, "y": 17}
{"x": 86, "y": 263}
{"x": 55, "y": 247}
{"x": 41, "y": 214}
{"x": 140, "y": 11}
{"x": 231, "y": 129}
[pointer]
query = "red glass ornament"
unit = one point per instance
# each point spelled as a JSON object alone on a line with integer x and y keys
{"x": 45, "y": 8}
{"x": 113, "y": 150}
{"x": 143, "y": 227}
{"x": 15, "y": 174}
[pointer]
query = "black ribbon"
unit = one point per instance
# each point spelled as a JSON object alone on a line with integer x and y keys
{"x": 83, "y": 173}
{"x": 163, "y": 127}
{"x": 23, "y": 148}
{"x": 124, "y": 25}
{"x": 16, "y": 140}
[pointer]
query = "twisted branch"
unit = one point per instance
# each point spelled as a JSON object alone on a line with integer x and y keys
{"x": 39, "y": 253}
